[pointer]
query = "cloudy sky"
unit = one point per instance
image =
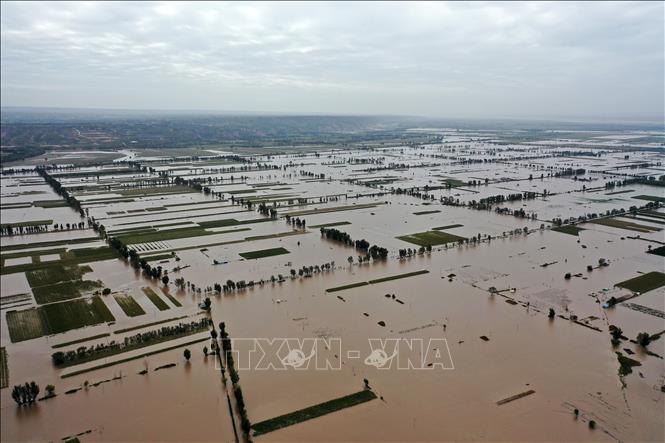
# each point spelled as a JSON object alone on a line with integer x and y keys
{"x": 540, "y": 60}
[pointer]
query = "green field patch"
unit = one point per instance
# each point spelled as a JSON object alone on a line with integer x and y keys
{"x": 330, "y": 225}
{"x": 172, "y": 298}
{"x": 376, "y": 281}
{"x": 64, "y": 291}
{"x": 349, "y": 286}
{"x": 219, "y": 223}
{"x": 311, "y": 412}
{"x": 154, "y": 298}
{"x": 624, "y": 224}
{"x": 25, "y": 325}
{"x": 277, "y": 235}
{"x": 4, "y": 369}
{"x": 431, "y": 238}
{"x": 128, "y": 305}
{"x": 644, "y": 283}
{"x": 443, "y": 228}
{"x": 56, "y": 318}
{"x": 426, "y": 212}
{"x": 620, "y": 192}
{"x": 56, "y": 273}
{"x": 652, "y": 198}
{"x": 50, "y": 204}
{"x": 242, "y": 191}
{"x": 263, "y": 253}
{"x": 398, "y": 276}
{"x": 453, "y": 182}
{"x": 568, "y": 229}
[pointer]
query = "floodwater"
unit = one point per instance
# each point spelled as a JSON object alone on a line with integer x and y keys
{"x": 568, "y": 365}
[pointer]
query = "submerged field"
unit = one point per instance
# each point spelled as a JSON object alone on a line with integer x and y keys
{"x": 419, "y": 276}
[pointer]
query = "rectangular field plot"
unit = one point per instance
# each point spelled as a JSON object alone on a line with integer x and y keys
{"x": 313, "y": 412}
{"x": 568, "y": 229}
{"x": 128, "y": 305}
{"x": 644, "y": 283}
{"x": 263, "y": 253}
{"x": 154, "y": 298}
{"x": 56, "y": 318}
{"x": 431, "y": 238}
{"x": 623, "y": 224}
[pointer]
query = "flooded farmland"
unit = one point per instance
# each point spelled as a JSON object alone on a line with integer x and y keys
{"x": 466, "y": 288}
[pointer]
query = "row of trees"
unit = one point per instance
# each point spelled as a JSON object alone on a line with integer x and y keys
{"x": 61, "y": 191}
{"x": 375, "y": 252}
{"x": 227, "y": 347}
{"x": 84, "y": 352}
{"x": 408, "y": 252}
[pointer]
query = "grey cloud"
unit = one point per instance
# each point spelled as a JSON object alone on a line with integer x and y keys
{"x": 444, "y": 59}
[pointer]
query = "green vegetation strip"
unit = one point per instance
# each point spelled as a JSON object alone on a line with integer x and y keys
{"x": 136, "y": 357}
{"x": 313, "y": 412}
{"x": 154, "y": 298}
{"x": 263, "y": 253}
{"x": 431, "y": 238}
{"x": 49, "y": 204}
{"x": 443, "y": 228}
{"x": 128, "y": 305}
{"x": 652, "y": 198}
{"x": 568, "y": 229}
{"x": 426, "y": 212}
{"x": 80, "y": 340}
{"x": 329, "y": 225}
{"x": 173, "y": 299}
{"x": 4, "y": 370}
{"x": 46, "y": 244}
{"x": 623, "y": 224}
{"x": 644, "y": 283}
{"x": 378, "y": 280}
{"x": 396, "y": 277}
{"x": 342, "y": 288}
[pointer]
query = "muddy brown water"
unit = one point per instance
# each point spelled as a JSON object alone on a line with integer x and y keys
{"x": 567, "y": 365}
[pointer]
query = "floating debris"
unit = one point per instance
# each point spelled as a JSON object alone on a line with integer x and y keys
{"x": 515, "y": 397}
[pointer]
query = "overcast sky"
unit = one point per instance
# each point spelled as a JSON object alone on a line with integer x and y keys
{"x": 541, "y": 60}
